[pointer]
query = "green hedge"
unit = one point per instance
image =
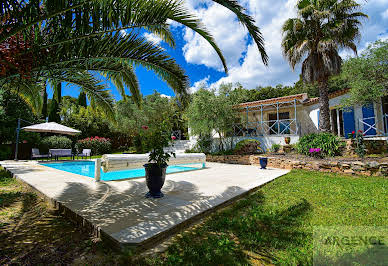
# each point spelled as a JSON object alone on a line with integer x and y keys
{"x": 329, "y": 144}
{"x": 57, "y": 142}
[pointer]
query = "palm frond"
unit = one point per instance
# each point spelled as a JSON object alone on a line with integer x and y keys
{"x": 249, "y": 23}
{"x": 90, "y": 85}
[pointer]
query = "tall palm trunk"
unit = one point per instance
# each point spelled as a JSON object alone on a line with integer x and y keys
{"x": 324, "y": 117}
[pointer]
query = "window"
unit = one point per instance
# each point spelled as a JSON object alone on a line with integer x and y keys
{"x": 279, "y": 128}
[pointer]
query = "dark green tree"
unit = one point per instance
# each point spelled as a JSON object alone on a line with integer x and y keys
{"x": 55, "y": 105}
{"x": 82, "y": 99}
{"x": 368, "y": 74}
{"x": 44, "y": 113}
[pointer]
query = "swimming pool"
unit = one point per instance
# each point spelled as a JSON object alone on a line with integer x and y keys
{"x": 86, "y": 168}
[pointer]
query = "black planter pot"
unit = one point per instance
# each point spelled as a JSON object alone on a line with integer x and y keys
{"x": 263, "y": 162}
{"x": 155, "y": 176}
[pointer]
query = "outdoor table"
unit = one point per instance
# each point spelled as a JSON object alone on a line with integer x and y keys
{"x": 56, "y": 153}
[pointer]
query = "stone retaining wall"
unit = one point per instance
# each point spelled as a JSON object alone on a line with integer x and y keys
{"x": 232, "y": 159}
{"x": 370, "y": 168}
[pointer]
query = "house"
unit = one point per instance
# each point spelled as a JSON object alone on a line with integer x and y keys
{"x": 294, "y": 116}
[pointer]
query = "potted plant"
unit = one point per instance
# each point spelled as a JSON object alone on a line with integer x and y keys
{"x": 287, "y": 140}
{"x": 155, "y": 171}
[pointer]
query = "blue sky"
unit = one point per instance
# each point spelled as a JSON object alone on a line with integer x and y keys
{"x": 203, "y": 66}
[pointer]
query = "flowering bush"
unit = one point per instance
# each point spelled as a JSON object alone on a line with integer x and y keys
{"x": 315, "y": 152}
{"x": 328, "y": 144}
{"x": 98, "y": 145}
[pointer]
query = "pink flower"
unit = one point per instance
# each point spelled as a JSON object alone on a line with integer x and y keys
{"x": 173, "y": 137}
{"x": 144, "y": 127}
{"x": 24, "y": 141}
{"x": 353, "y": 132}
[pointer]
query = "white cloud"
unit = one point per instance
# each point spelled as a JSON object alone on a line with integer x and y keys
{"x": 152, "y": 38}
{"x": 385, "y": 14}
{"x": 123, "y": 32}
{"x": 165, "y": 96}
{"x": 228, "y": 33}
{"x": 203, "y": 83}
{"x": 243, "y": 59}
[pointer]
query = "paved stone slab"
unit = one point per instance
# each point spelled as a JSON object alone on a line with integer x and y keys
{"x": 119, "y": 208}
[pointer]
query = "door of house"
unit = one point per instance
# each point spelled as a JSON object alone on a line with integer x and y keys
{"x": 337, "y": 123}
{"x": 349, "y": 123}
{"x": 368, "y": 115}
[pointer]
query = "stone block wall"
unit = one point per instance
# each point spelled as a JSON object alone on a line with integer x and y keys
{"x": 370, "y": 168}
{"x": 232, "y": 159}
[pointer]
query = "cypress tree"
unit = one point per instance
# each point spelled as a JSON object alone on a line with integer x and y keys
{"x": 82, "y": 99}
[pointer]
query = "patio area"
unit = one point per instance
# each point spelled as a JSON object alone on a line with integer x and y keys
{"x": 118, "y": 209}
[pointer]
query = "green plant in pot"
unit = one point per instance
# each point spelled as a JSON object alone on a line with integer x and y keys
{"x": 157, "y": 140}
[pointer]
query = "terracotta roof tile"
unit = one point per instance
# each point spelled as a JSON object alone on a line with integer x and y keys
{"x": 299, "y": 97}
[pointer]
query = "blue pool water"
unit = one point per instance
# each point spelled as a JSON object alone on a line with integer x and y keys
{"x": 86, "y": 168}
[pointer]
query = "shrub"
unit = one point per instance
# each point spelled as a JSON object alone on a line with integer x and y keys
{"x": 328, "y": 144}
{"x": 57, "y": 142}
{"x": 275, "y": 147}
{"x": 226, "y": 152}
{"x": 360, "y": 146}
{"x": 204, "y": 144}
{"x": 191, "y": 151}
{"x": 96, "y": 144}
{"x": 248, "y": 146}
{"x": 5, "y": 152}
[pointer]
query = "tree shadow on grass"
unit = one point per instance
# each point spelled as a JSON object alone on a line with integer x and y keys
{"x": 241, "y": 234}
{"x": 374, "y": 255}
{"x": 37, "y": 236}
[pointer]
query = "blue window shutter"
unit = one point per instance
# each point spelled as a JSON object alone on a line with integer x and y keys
{"x": 368, "y": 114}
{"x": 349, "y": 123}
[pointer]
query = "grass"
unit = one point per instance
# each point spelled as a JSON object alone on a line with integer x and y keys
{"x": 272, "y": 226}
{"x": 275, "y": 224}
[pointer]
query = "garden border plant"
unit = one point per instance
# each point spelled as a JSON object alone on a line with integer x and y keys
{"x": 329, "y": 145}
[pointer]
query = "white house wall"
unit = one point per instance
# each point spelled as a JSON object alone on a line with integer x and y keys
{"x": 313, "y": 110}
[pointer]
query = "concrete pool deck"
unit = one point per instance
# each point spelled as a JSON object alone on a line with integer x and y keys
{"x": 118, "y": 210}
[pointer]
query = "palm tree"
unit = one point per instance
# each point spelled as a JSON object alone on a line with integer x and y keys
{"x": 71, "y": 41}
{"x": 320, "y": 30}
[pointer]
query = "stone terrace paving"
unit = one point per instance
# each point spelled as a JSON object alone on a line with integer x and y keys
{"x": 119, "y": 210}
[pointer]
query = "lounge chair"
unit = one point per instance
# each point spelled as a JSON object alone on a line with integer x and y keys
{"x": 115, "y": 162}
{"x": 35, "y": 154}
{"x": 85, "y": 153}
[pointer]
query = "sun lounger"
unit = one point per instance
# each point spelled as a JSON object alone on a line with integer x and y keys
{"x": 35, "y": 154}
{"x": 115, "y": 162}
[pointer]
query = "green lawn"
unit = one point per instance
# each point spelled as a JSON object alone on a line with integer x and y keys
{"x": 272, "y": 226}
